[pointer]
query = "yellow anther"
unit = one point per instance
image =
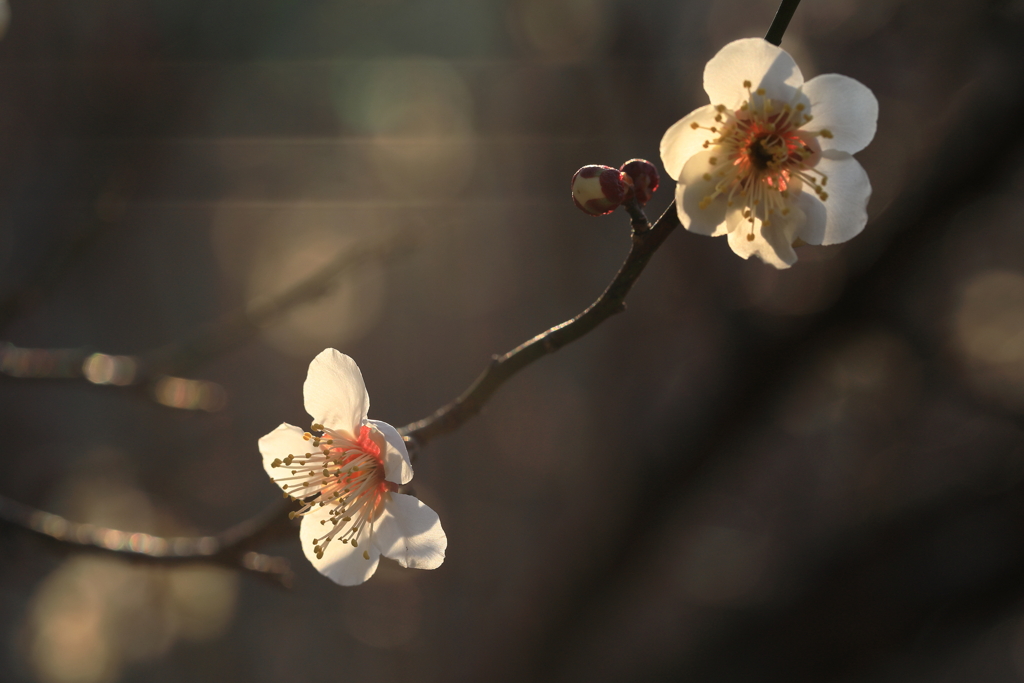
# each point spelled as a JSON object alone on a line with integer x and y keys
{"x": 826, "y": 133}
{"x": 750, "y": 237}
{"x": 695, "y": 125}
{"x": 713, "y": 160}
{"x": 366, "y": 555}
{"x": 704, "y": 203}
{"x": 761, "y": 91}
{"x": 799, "y": 107}
{"x": 719, "y": 107}
{"x": 747, "y": 84}
{"x": 307, "y": 436}
{"x": 355, "y": 543}
{"x": 823, "y": 195}
{"x": 706, "y": 176}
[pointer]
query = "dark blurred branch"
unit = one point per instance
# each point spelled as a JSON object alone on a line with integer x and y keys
{"x": 49, "y": 273}
{"x": 230, "y": 548}
{"x": 646, "y": 240}
{"x": 148, "y": 368}
{"x": 853, "y": 611}
{"x": 237, "y": 327}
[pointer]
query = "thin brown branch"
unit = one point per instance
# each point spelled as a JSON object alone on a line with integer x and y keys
{"x": 646, "y": 240}
{"x": 231, "y": 548}
{"x": 237, "y": 327}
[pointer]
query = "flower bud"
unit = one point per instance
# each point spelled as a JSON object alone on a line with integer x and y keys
{"x": 598, "y": 189}
{"x": 644, "y": 177}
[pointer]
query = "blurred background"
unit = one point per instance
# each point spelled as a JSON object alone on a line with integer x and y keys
{"x": 751, "y": 475}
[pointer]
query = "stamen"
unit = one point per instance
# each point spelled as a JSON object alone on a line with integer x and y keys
{"x": 761, "y": 157}
{"x": 346, "y": 476}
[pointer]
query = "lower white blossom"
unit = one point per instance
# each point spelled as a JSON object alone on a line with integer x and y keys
{"x": 768, "y": 162}
{"x": 345, "y": 473}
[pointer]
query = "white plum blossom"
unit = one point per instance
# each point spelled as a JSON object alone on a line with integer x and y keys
{"x": 768, "y": 162}
{"x": 345, "y": 472}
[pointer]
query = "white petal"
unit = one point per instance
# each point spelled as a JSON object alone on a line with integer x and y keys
{"x": 755, "y": 60}
{"x": 397, "y": 467}
{"x": 334, "y": 392}
{"x": 813, "y": 229}
{"x": 846, "y": 107}
{"x": 681, "y": 141}
{"x": 410, "y": 533}
{"x": 284, "y": 441}
{"x": 846, "y": 209}
{"x": 772, "y": 244}
{"x": 341, "y": 562}
{"x": 692, "y": 189}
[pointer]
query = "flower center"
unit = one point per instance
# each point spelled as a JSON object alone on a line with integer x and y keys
{"x": 342, "y": 474}
{"x": 762, "y": 156}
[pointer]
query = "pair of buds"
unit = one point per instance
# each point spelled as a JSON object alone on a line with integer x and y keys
{"x": 598, "y": 190}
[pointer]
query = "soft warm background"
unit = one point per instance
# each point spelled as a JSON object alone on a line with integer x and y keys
{"x": 855, "y": 507}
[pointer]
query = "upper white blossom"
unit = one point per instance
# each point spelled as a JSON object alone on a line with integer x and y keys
{"x": 768, "y": 161}
{"x": 345, "y": 471}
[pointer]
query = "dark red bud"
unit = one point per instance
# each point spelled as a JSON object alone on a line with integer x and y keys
{"x": 645, "y": 179}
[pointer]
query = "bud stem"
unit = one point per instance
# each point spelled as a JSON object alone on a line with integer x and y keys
{"x": 637, "y": 217}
